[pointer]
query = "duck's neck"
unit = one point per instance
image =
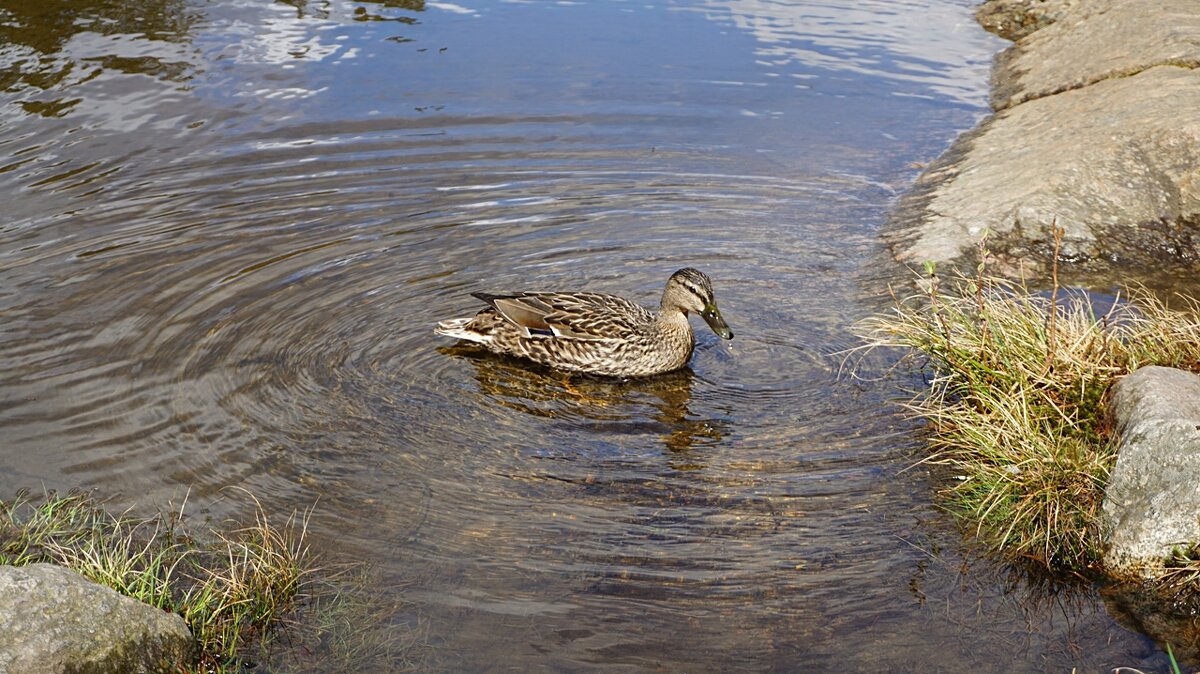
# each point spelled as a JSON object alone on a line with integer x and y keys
{"x": 673, "y": 321}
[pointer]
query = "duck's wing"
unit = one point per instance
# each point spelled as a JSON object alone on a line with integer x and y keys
{"x": 570, "y": 315}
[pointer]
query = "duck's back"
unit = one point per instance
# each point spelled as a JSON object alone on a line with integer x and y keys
{"x": 588, "y": 332}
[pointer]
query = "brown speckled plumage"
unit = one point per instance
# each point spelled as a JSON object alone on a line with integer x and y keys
{"x": 593, "y": 332}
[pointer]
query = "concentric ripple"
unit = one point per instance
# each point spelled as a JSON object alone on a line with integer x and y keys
{"x": 229, "y": 228}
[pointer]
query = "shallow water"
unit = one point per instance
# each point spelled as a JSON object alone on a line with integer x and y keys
{"x": 228, "y": 229}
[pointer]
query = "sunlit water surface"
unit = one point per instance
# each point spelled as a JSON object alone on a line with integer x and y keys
{"x": 228, "y": 228}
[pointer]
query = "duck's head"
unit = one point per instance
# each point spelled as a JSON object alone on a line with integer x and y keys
{"x": 689, "y": 290}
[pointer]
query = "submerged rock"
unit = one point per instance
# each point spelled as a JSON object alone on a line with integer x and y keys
{"x": 54, "y": 620}
{"x": 1165, "y": 617}
{"x": 1097, "y": 132}
{"x": 1152, "y": 503}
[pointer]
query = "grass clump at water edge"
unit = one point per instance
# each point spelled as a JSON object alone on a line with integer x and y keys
{"x": 1015, "y": 400}
{"x": 230, "y": 587}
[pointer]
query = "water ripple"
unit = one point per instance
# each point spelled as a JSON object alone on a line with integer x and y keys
{"x": 229, "y": 229}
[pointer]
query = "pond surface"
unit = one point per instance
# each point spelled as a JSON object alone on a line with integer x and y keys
{"x": 229, "y": 227}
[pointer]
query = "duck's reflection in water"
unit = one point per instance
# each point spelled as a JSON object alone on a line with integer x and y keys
{"x": 656, "y": 406}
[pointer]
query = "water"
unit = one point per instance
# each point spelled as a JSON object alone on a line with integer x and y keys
{"x": 228, "y": 229}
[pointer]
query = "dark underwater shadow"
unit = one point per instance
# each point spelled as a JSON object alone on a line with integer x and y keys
{"x": 657, "y": 405}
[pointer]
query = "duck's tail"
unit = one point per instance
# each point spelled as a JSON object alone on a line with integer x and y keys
{"x": 459, "y": 329}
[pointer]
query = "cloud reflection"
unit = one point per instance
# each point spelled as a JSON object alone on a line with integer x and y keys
{"x": 927, "y": 48}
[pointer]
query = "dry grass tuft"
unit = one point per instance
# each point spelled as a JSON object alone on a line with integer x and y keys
{"x": 1015, "y": 399}
{"x": 231, "y": 588}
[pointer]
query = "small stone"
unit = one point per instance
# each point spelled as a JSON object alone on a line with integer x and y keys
{"x": 1015, "y": 19}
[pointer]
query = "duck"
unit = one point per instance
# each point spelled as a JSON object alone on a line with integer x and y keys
{"x": 594, "y": 333}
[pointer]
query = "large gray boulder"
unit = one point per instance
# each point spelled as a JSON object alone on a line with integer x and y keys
{"x": 1097, "y": 132}
{"x": 1152, "y": 503}
{"x": 1095, "y": 41}
{"x": 53, "y": 620}
{"x": 1115, "y": 164}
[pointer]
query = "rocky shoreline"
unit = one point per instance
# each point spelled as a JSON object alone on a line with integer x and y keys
{"x": 1096, "y": 131}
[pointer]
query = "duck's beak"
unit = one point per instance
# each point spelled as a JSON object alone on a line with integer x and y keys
{"x": 713, "y": 317}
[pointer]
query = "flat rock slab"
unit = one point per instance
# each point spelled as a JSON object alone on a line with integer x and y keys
{"x": 1097, "y": 40}
{"x": 1115, "y": 164}
{"x": 1152, "y": 503}
{"x": 52, "y": 620}
{"x": 1097, "y": 131}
